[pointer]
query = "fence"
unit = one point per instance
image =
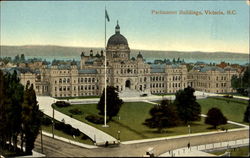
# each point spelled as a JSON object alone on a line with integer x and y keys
{"x": 208, "y": 147}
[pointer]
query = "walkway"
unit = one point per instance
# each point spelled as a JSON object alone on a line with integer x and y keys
{"x": 136, "y": 98}
{"x": 196, "y": 150}
{"x": 94, "y": 133}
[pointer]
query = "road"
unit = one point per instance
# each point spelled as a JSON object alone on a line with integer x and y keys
{"x": 56, "y": 148}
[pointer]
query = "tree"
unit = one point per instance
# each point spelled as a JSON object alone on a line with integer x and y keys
{"x": 247, "y": 113}
{"x": 114, "y": 103}
{"x": 11, "y": 94}
{"x": 22, "y": 57}
{"x": 242, "y": 83}
{"x": 187, "y": 107}
{"x": 31, "y": 118}
{"x": 174, "y": 61}
{"x": 215, "y": 117}
{"x": 162, "y": 116}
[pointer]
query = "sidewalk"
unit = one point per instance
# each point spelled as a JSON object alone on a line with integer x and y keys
{"x": 94, "y": 133}
{"x": 181, "y": 136}
{"x": 196, "y": 150}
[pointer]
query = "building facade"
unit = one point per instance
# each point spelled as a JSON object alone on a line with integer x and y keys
{"x": 212, "y": 79}
{"x": 87, "y": 77}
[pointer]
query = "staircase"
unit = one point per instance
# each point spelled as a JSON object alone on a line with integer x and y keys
{"x": 132, "y": 93}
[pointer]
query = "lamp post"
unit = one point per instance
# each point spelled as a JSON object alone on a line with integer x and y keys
{"x": 118, "y": 135}
{"x": 188, "y": 136}
{"x": 53, "y": 120}
{"x": 41, "y": 134}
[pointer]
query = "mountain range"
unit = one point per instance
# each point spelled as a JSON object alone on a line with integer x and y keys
{"x": 64, "y": 52}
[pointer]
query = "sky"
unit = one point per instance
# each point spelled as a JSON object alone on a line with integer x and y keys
{"x": 81, "y": 23}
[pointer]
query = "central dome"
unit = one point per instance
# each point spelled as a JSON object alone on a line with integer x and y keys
{"x": 117, "y": 38}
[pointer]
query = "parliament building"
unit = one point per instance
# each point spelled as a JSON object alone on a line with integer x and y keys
{"x": 124, "y": 72}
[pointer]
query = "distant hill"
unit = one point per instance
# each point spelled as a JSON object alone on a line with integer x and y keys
{"x": 57, "y": 52}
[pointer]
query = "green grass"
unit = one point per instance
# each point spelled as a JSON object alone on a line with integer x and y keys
{"x": 132, "y": 115}
{"x": 243, "y": 151}
{"x": 81, "y": 97}
{"x": 232, "y": 108}
{"x": 64, "y": 135}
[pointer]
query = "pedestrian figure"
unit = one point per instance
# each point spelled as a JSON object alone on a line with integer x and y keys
{"x": 106, "y": 144}
{"x": 188, "y": 145}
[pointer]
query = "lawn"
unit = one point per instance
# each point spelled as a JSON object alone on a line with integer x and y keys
{"x": 232, "y": 108}
{"x": 132, "y": 115}
{"x": 243, "y": 151}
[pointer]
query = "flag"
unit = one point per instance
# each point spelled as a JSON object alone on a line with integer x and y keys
{"x": 106, "y": 15}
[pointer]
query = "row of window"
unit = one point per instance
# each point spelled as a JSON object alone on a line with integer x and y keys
{"x": 80, "y": 94}
{"x": 80, "y": 80}
{"x": 157, "y": 85}
{"x": 221, "y": 85}
{"x": 87, "y": 87}
{"x": 157, "y": 78}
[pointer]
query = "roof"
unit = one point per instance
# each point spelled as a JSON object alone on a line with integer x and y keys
{"x": 20, "y": 70}
{"x": 157, "y": 68}
{"x": 213, "y": 68}
{"x": 117, "y": 38}
{"x": 87, "y": 71}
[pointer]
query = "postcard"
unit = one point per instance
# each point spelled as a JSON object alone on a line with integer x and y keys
{"x": 124, "y": 78}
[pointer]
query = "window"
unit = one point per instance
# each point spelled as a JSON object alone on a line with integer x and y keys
{"x": 60, "y": 80}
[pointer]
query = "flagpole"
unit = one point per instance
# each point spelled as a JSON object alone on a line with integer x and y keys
{"x": 105, "y": 77}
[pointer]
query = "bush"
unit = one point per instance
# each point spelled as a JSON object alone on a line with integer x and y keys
{"x": 75, "y": 111}
{"x": 61, "y": 104}
{"x": 84, "y": 137}
{"x": 46, "y": 121}
{"x": 76, "y": 132}
{"x": 95, "y": 119}
{"x": 59, "y": 125}
{"x": 67, "y": 129}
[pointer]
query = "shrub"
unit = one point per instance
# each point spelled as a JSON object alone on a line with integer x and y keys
{"x": 76, "y": 132}
{"x": 75, "y": 111}
{"x": 59, "y": 125}
{"x": 67, "y": 129}
{"x": 61, "y": 104}
{"x": 215, "y": 117}
{"x": 95, "y": 119}
{"x": 46, "y": 121}
{"x": 84, "y": 137}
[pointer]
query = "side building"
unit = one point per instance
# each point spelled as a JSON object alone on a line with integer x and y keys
{"x": 212, "y": 79}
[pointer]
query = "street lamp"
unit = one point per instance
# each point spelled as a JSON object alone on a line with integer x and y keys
{"x": 118, "y": 135}
{"x": 53, "y": 120}
{"x": 42, "y": 110}
{"x": 188, "y": 136}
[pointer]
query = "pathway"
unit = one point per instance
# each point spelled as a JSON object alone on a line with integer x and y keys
{"x": 94, "y": 133}
{"x": 56, "y": 148}
{"x": 196, "y": 150}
